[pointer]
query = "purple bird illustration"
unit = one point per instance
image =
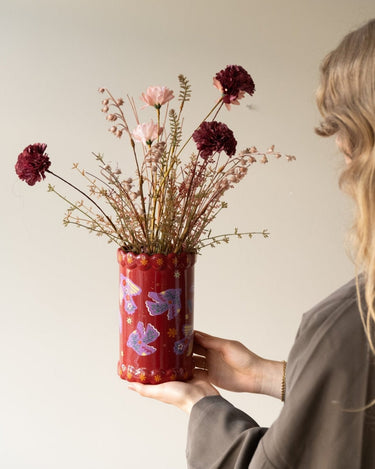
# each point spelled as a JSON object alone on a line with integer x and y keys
{"x": 168, "y": 300}
{"x": 140, "y": 339}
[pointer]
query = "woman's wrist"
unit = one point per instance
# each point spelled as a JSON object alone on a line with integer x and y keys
{"x": 272, "y": 378}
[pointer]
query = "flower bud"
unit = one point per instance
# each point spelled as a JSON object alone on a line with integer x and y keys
{"x": 101, "y": 90}
{"x": 105, "y": 109}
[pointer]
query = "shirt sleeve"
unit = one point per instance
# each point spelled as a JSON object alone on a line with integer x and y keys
{"x": 221, "y": 436}
{"x": 322, "y": 423}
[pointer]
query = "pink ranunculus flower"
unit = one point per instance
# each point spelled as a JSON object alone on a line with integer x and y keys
{"x": 157, "y": 96}
{"x": 147, "y": 132}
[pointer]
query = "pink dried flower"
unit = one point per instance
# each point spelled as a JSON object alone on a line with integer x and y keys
{"x": 214, "y": 137}
{"x": 223, "y": 185}
{"x": 32, "y": 163}
{"x": 147, "y": 132}
{"x": 240, "y": 173}
{"x": 232, "y": 178}
{"x": 157, "y": 96}
{"x": 234, "y": 82}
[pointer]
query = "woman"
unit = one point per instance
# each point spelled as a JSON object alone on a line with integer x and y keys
{"x": 328, "y": 420}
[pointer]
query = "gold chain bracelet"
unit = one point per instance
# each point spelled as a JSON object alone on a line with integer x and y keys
{"x": 283, "y": 382}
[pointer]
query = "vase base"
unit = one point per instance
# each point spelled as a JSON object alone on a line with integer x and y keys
{"x": 158, "y": 376}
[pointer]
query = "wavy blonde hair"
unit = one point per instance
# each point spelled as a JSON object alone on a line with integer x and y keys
{"x": 346, "y": 100}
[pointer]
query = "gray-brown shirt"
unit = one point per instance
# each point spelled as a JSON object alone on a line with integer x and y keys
{"x": 330, "y": 374}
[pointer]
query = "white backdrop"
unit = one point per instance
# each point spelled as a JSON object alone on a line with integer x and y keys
{"x": 62, "y": 404}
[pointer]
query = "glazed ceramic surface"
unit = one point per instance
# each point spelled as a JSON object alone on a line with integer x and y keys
{"x": 156, "y": 316}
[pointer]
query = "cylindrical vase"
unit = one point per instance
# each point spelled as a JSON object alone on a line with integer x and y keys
{"x": 156, "y": 316}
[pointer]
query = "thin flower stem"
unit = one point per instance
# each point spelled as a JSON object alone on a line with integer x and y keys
{"x": 191, "y": 136}
{"x": 221, "y": 237}
{"x": 122, "y": 115}
{"x": 94, "y": 230}
{"x": 158, "y": 119}
{"x": 87, "y": 197}
{"x": 140, "y": 178}
{"x": 154, "y": 197}
{"x": 107, "y": 195}
{"x": 128, "y": 199}
{"x": 217, "y": 112}
{"x": 187, "y": 200}
{"x": 76, "y": 207}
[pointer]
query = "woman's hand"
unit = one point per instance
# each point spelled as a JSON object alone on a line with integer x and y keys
{"x": 182, "y": 395}
{"x": 218, "y": 362}
{"x": 230, "y": 365}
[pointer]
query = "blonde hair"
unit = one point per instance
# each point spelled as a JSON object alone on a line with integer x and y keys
{"x": 346, "y": 100}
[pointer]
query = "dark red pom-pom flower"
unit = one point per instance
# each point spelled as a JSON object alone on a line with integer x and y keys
{"x": 32, "y": 163}
{"x": 234, "y": 82}
{"x": 214, "y": 137}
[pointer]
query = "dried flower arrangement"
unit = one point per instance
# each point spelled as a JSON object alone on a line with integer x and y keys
{"x": 170, "y": 203}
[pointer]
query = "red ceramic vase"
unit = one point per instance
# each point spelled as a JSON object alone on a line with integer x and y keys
{"x": 156, "y": 317}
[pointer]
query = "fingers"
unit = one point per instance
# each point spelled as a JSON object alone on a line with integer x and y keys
{"x": 199, "y": 349}
{"x": 145, "y": 390}
{"x": 201, "y": 375}
{"x": 170, "y": 392}
{"x": 200, "y": 362}
{"x": 206, "y": 341}
{"x": 181, "y": 394}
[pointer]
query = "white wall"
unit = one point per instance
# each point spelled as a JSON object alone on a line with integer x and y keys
{"x": 61, "y": 402}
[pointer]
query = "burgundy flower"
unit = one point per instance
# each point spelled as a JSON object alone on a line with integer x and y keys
{"x": 214, "y": 137}
{"x": 32, "y": 163}
{"x": 234, "y": 82}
